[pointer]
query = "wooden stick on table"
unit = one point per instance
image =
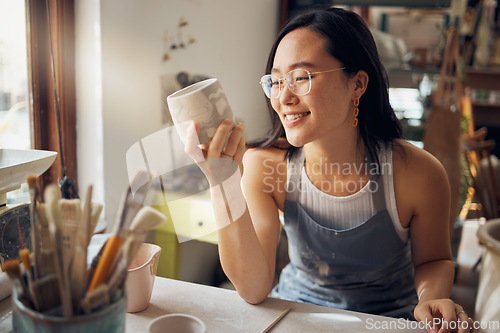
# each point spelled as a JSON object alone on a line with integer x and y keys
{"x": 268, "y": 328}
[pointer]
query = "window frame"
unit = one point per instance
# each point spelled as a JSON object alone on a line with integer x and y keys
{"x": 44, "y": 124}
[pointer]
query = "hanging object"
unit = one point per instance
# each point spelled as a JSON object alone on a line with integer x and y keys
{"x": 176, "y": 42}
{"x": 166, "y": 56}
{"x": 443, "y": 133}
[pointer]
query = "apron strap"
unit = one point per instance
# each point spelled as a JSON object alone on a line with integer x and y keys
{"x": 376, "y": 187}
{"x": 294, "y": 167}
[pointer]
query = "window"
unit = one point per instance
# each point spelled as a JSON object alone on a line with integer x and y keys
{"x": 14, "y": 112}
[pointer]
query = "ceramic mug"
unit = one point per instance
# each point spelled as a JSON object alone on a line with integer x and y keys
{"x": 205, "y": 103}
{"x": 177, "y": 323}
{"x": 141, "y": 277}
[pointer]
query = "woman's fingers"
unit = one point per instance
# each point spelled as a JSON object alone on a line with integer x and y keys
{"x": 424, "y": 314}
{"x": 446, "y": 310}
{"x": 233, "y": 141}
{"x": 240, "y": 151}
{"x": 443, "y": 316}
{"x": 464, "y": 322}
{"x": 191, "y": 147}
{"x": 219, "y": 138}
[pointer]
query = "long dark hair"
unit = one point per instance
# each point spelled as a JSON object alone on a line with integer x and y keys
{"x": 350, "y": 41}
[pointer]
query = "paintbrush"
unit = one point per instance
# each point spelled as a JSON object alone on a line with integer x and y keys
{"x": 95, "y": 298}
{"x": 13, "y": 269}
{"x": 93, "y": 265}
{"x": 52, "y": 196}
{"x": 47, "y": 290}
{"x": 79, "y": 263}
{"x": 110, "y": 250}
{"x": 118, "y": 273}
{"x": 35, "y": 227}
{"x": 131, "y": 203}
{"x": 45, "y": 258}
{"x": 71, "y": 213}
{"x": 25, "y": 257}
{"x": 146, "y": 219}
{"x": 94, "y": 219}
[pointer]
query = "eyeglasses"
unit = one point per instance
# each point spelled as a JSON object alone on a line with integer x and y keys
{"x": 297, "y": 80}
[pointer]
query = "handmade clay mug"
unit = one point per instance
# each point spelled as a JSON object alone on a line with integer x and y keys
{"x": 204, "y": 103}
{"x": 141, "y": 277}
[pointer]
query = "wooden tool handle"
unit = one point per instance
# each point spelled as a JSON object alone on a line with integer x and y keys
{"x": 101, "y": 272}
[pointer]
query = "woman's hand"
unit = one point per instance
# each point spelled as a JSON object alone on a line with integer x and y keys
{"x": 218, "y": 161}
{"x": 235, "y": 146}
{"x": 443, "y": 316}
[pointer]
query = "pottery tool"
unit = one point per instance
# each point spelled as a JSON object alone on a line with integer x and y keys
{"x": 131, "y": 203}
{"x": 79, "y": 262}
{"x": 55, "y": 228}
{"x": 283, "y": 314}
{"x": 25, "y": 257}
{"x": 35, "y": 227}
{"x": 71, "y": 213}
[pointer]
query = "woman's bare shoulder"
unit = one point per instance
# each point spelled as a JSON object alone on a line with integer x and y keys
{"x": 409, "y": 159}
{"x": 420, "y": 181}
{"x": 265, "y": 173}
{"x": 260, "y": 154}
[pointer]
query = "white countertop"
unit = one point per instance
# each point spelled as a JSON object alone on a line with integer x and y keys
{"x": 223, "y": 310}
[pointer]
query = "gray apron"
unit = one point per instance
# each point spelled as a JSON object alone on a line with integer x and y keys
{"x": 367, "y": 268}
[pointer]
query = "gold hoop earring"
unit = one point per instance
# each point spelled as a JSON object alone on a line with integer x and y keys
{"x": 356, "y": 112}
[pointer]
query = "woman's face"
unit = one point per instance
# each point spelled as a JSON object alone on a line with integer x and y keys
{"x": 327, "y": 109}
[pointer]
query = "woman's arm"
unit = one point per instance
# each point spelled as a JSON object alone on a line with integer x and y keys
{"x": 428, "y": 195}
{"x": 247, "y": 238}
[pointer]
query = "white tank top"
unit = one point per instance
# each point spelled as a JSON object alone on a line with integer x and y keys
{"x": 342, "y": 213}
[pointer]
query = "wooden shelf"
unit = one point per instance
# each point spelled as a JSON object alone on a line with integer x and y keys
{"x": 485, "y": 114}
{"x": 486, "y": 105}
{"x": 483, "y": 78}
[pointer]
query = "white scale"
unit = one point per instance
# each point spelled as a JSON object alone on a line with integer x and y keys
{"x": 15, "y": 223}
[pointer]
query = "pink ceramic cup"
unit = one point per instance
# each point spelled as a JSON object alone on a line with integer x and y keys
{"x": 141, "y": 277}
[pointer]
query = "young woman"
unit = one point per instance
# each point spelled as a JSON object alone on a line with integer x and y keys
{"x": 365, "y": 212}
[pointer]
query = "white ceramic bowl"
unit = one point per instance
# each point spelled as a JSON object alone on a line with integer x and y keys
{"x": 177, "y": 322}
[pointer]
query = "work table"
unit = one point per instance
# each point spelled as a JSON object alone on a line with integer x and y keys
{"x": 224, "y": 310}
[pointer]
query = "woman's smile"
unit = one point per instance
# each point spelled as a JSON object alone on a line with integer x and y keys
{"x": 293, "y": 119}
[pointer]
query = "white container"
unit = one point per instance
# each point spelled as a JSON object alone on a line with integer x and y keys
{"x": 141, "y": 277}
